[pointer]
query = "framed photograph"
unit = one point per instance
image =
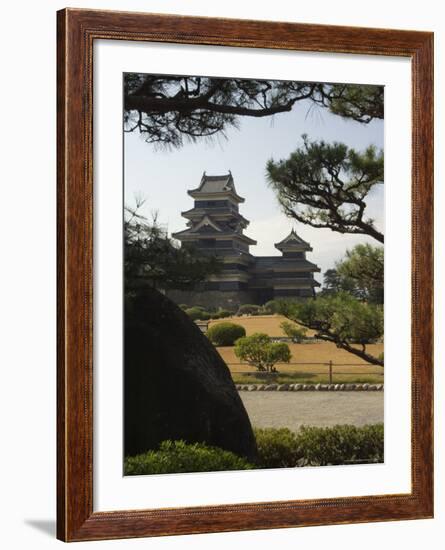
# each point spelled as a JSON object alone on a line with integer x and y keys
{"x": 245, "y": 229}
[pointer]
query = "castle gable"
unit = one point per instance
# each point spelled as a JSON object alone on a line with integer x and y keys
{"x": 207, "y": 224}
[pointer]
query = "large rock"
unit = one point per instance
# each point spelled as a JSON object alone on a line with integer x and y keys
{"x": 176, "y": 384}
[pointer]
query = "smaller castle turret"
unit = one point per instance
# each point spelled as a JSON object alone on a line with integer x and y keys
{"x": 293, "y": 246}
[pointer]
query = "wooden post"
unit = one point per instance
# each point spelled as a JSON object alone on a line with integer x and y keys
{"x": 330, "y": 372}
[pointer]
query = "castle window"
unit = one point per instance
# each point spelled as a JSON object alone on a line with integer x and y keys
{"x": 206, "y": 243}
{"x": 294, "y": 254}
{"x": 211, "y": 204}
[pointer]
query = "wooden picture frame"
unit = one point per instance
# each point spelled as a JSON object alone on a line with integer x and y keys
{"x": 77, "y": 31}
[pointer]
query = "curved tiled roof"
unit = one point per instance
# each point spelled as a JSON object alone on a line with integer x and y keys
{"x": 216, "y": 184}
{"x": 293, "y": 240}
{"x": 277, "y": 262}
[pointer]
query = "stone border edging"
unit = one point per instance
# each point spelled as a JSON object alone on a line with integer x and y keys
{"x": 309, "y": 387}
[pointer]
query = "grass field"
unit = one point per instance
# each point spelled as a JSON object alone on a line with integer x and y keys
{"x": 270, "y": 324}
{"x": 313, "y": 358}
{"x": 302, "y": 377}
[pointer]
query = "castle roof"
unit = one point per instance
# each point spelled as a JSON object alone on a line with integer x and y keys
{"x": 207, "y": 231}
{"x": 212, "y": 185}
{"x": 220, "y": 213}
{"x": 278, "y": 263}
{"x": 293, "y": 242}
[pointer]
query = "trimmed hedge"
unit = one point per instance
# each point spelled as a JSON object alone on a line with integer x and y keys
{"x": 249, "y": 309}
{"x": 180, "y": 457}
{"x": 221, "y": 314}
{"x": 313, "y": 446}
{"x": 341, "y": 444}
{"x": 277, "y": 447}
{"x": 197, "y": 314}
{"x": 225, "y": 334}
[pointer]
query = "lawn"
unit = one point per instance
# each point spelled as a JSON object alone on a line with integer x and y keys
{"x": 270, "y": 324}
{"x": 307, "y": 354}
{"x": 312, "y": 359}
{"x": 307, "y": 377}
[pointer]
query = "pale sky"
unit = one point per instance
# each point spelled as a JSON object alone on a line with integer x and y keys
{"x": 164, "y": 176}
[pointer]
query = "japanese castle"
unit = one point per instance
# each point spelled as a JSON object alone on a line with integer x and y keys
{"x": 215, "y": 226}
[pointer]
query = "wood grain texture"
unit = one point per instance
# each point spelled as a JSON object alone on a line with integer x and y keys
{"x": 77, "y": 30}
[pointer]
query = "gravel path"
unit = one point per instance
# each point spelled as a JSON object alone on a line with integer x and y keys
{"x": 292, "y": 409}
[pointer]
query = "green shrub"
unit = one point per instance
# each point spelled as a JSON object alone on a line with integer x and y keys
{"x": 180, "y": 457}
{"x": 183, "y": 306}
{"x": 221, "y": 314}
{"x": 197, "y": 313}
{"x": 277, "y": 448}
{"x": 270, "y": 307}
{"x": 249, "y": 309}
{"x": 291, "y": 330}
{"x": 261, "y": 352}
{"x": 341, "y": 444}
{"x": 225, "y": 334}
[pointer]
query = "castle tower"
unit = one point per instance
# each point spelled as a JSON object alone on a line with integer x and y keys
{"x": 215, "y": 226}
{"x": 294, "y": 274}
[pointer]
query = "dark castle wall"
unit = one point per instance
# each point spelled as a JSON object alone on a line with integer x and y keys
{"x": 230, "y": 300}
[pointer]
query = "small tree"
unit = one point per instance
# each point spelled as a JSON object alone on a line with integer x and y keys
{"x": 291, "y": 330}
{"x": 260, "y": 352}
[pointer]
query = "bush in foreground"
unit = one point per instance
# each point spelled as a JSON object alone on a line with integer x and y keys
{"x": 180, "y": 457}
{"x": 277, "y": 447}
{"x": 341, "y": 444}
{"x": 225, "y": 334}
{"x": 313, "y": 446}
